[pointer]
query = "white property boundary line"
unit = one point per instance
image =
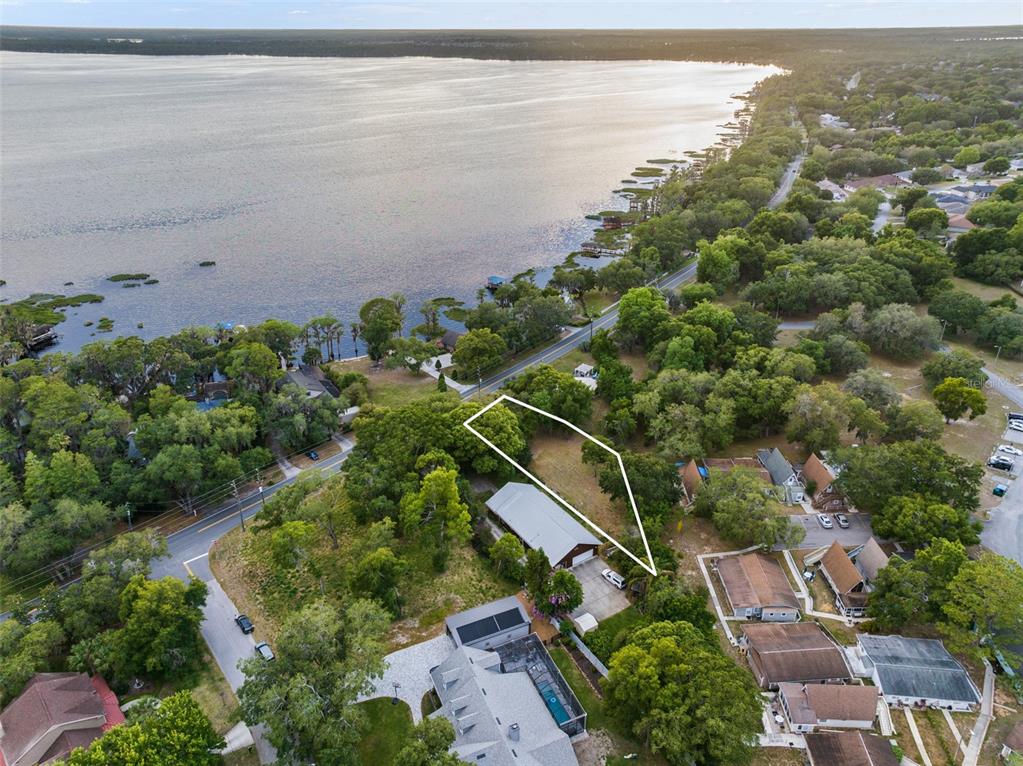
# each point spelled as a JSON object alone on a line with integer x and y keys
{"x": 651, "y": 566}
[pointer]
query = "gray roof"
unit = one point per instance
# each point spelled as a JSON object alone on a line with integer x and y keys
{"x": 871, "y": 560}
{"x": 487, "y": 620}
{"x": 482, "y": 703}
{"x": 780, "y": 469}
{"x": 918, "y": 667}
{"x": 538, "y": 520}
{"x": 312, "y": 379}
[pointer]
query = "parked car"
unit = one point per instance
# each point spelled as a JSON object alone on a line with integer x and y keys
{"x": 825, "y": 520}
{"x": 1009, "y": 449}
{"x": 1016, "y": 425}
{"x": 1001, "y": 463}
{"x": 263, "y": 650}
{"x": 843, "y": 520}
{"x": 313, "y": 454}
{"x": 245, "y": 623}
{"x": 999, "y": 490}
{"x": 614, "y": 578}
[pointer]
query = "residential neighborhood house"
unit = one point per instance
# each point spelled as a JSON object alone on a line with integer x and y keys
{"x": 831, "y": 706}
{"x": 783, "y": 475}
{"x": 795, "y": 652}
{"x": 915, "y": 671}
{"x": 312, "y": 380}
{"x": 56, "y": 713}
{"x": 846, "y": 581}
{"x": 757, "y": 588}
{"x": 541, "y": 523}
{"x": 819, "y": 478}
{"x": 849, "y": 748}
{"x": 488, "y": 625}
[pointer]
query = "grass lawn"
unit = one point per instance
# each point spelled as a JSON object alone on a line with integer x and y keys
{"x": 388, "y": 729}
{"x": 573, "y": 359}
{"x": 241, "y": 758}
{"x": 598, "y": 300}
{"x": 779, "y": 756}
{"x": 638, "y": 362}
{"x": 986, "y": 293}
{"x": 557, "y": 460}
{"x": 209, "y": 688}
{"x": 602, "y": 640}
{"x": 229, "y": 566}
{"x": 389, "y": 388}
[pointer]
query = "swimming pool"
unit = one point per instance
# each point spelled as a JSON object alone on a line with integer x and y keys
{"x": 553, "y": 703}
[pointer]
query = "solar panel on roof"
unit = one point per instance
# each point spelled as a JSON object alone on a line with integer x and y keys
{"x": 474, "y": 631}
{"x": 509, "y": 619}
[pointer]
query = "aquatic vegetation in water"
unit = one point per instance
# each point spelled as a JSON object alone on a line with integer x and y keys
{"x": 106, "y": 324}
{"x": 207, "y": 263}
{"x": 128, "y": 277}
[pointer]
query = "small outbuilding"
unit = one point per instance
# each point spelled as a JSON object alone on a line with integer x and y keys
{"x": 757, "y": 588}
{"x": 917, "y": 671}
{"x": 543, "y": 524}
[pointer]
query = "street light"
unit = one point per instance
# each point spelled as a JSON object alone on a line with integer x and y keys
{"x": 394, "y": 699}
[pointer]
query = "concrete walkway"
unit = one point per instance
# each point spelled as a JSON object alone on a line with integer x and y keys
{"x": 430, "y": 368}
{"x": 916, "y": 737}
{"x": 410, "y": 669}
{"x": 983, "y": 720}
{"x": 803, "y": 593}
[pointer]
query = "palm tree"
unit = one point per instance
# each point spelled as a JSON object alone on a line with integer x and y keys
{"x": 399, "y": 302}
{"x": 356, "y": 332}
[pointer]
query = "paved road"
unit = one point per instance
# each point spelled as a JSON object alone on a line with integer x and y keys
{"x": 1003, "y": 532}
{"x": 578, "y": 336}
{"x": 859, "y": 531}
{"x": 787, "y": 179}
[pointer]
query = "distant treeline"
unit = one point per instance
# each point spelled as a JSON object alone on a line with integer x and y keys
{"x": 783, "y": 47}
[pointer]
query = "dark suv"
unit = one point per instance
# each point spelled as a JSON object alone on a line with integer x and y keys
{"x": 245, "y": 623}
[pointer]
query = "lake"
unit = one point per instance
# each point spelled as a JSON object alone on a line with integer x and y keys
{"x": 316, "y": 184}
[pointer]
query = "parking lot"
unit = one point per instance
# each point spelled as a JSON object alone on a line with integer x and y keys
{"x": 859, "y": 530}
{"x": 600, "y": 598}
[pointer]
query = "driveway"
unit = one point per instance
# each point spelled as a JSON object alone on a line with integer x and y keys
{"x": 410, "y": 669}
{"x": 227, "y": 643}
{"x": 1003, "y": 532}
{"x": 600, "y": 598}
{"x": 859, "y": 531}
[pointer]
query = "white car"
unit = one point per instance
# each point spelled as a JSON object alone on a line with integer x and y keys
{"x": 825, "y": 520}
{"x": 614, "y": 578}
{"x": 1009, "y": 449}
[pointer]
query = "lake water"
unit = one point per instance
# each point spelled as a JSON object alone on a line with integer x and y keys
{"x": 316, "y": 184}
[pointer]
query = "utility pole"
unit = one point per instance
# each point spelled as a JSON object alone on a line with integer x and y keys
{"x": 942, "y": 335}
{"x": 262, "y": 500}
{"x": 127, "y": 510}
{"x": 479, "y": 378}
{"x": 999, "y": 352}
{"x": 238, "y": 502}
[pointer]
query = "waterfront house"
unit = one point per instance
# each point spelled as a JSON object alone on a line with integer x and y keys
{"x": 449, "y": 340}
{"x": 312, "y": 380}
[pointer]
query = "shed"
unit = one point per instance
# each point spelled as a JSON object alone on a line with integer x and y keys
{"x": 489, "y": 625}
{"x": 756, "y": 587}
{"x": 584, "y": 623}
{"x": 543, "y": 524}
{"x": 917, "y": 671}
{"x": 798, "y": 652}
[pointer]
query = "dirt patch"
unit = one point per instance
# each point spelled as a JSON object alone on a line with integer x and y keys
{"x": 325, "y": 450}
{"x": 594, "y": 750}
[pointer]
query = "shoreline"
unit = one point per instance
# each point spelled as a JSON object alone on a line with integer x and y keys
{"x": 128, "y": 326}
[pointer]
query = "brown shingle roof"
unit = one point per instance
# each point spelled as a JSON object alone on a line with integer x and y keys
{"x": 691, "y": 479}
{"x": 812, "y": 703}
{"x": 726, "y": 464}
{"x": 849, "y": 748}
{"x": 814, "y": 470}
{"x": 795, "y": 651}
{"x": 755, "y": 580}
{"x": 49, "y": 700}
{"x": 871, "y": 560}
{"x": 840, "y": 569}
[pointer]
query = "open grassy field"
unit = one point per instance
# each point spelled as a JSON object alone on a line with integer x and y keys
{"x": 557, "y": 460}
{"x": 388, "y": 728}
{"x": 986, "y": 293}
{"x": 389, "y": 388}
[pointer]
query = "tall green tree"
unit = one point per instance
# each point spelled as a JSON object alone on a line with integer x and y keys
{"x": 428, "y": 745}
{"x": 984, "y": 606}
{"x": 743, "y": 512}
{"x": 955, "y": 397}
{"x": 478, "y": 350}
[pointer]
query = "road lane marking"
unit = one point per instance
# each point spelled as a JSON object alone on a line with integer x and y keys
{"x": 195, "y": 558}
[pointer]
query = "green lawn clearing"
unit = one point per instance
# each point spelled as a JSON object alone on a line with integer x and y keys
{"x": 388, "y": 728}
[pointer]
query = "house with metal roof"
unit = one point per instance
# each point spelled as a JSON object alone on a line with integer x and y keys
{"x": 832, "y": 706}
{"x": 543, "y": 524}
{"x": 501, "y": 713}
{"x": 796, "y": 652}
{"x": 916, "y": 671}
{"x": 849, "y": 748}
{"x": 757, "y": 588}
{"x": 783, "y": 475}
{"x": 489, "y": 625}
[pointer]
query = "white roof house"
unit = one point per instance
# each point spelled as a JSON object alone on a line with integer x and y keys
{"x": 541, "y": 523}
{"x": 500, "y": 718}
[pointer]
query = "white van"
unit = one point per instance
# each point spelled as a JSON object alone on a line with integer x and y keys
{"x": 614, "y": 578}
